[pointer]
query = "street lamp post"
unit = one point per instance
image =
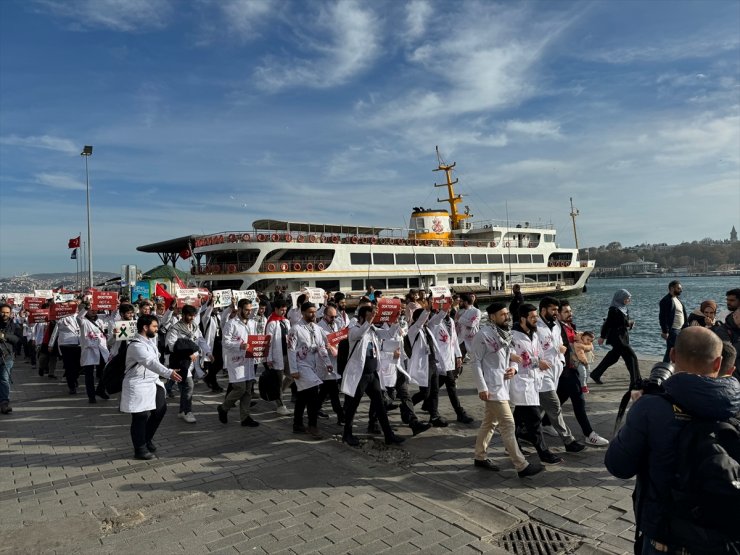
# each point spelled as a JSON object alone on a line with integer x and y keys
{"x": 87, "y": 152}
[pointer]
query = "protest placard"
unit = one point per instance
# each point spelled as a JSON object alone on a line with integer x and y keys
{"x": 257, "y": 346}
{"x": 315, "y": 295}
{"x": 125, "y": 330}
{"x": 441, "y": 297}
{"x": 333, "y": 339}
{"x": 104, "y": 300}
{"x": 63, "y": 297}
{"x": 33, "y": 303}
{"x": 240, "y": 294}
{"x": 140, "y": 291}
{"x": 13, "y": 299}
{"x": 45, "y": 293}
{"x": 222, "y": 298}
{"x": 38, "y": 316}
{"x": 189, "y": 296}
{"x": 61, "y": 310}
{"x": 388, "y": 311}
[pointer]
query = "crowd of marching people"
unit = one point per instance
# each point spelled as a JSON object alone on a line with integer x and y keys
{"x": 526, "y": 361}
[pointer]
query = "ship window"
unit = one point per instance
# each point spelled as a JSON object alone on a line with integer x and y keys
{"x": 495, "y": 259}
{"x": 379, "y": 284}
{"x": 509, "y": 259}
{"x": 538, "y": 258}
{"x": 478, "y": 258}
{"x": 405, "y": 258}
{"x": 476, "y": 279}
{"x": 426, "y": 258}
{"x": 468, "y": 279}
{"x": 459, "y": 280}
{"x": 444, "y": 259}
{"x": 358, "y": 285}
{"x": 413, "y": 282}
{"x": 525, "y": 259}
{"x": 328, "y": 284}
{"x": 450, "y": 280}
{"x": 359, "y": 258}
{"x": 383, "y": 258}
{"x": 397, "y": 283}
{"x": 462, "y": 259}
{"x": 549, "y": 238}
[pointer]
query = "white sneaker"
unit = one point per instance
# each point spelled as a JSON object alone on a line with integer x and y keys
{"x": 181, "y": 415}
{"x": 189, "y": 417}
{"x": 549, "y": 430}
{"x": 282, "y": 410}
{"x": 596, "y": 440}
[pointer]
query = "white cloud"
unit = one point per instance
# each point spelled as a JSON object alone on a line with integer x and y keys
{"x": 119, "y": 15}
{"x": 537, "y": 128}
{"x": 351, "y": 45}
{"x": 59, "y": 181}
{"x": 702, "y": 45}
{"x": 48, "y": 142}
{"x": 539, "y": 167}
{"x": 707, "y": 138}
{"x": 245, "y": 17}
{"x": 417, "y": 14}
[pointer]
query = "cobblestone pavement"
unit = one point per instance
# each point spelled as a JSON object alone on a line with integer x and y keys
{"x": 69, "y": 485}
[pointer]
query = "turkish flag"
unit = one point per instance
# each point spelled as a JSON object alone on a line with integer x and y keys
{"x": 74, "y": 243}
{"x": 162, "y": 292}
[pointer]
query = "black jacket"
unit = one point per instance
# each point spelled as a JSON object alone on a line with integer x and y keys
{"x": 668, "y": 313}
{"x": 12, "y": 335}
{"x": 616, "y": 328}
{"x": 645, "y": 446}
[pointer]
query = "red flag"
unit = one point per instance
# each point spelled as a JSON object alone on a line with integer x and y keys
{"x": 74, "y": 243}
{"x": 179, "y": 282}
{"x": 162, "y": 292}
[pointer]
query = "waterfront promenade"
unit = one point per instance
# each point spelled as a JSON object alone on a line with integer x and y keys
{"x": 69, "y": 485}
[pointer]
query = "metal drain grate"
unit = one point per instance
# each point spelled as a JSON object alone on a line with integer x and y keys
{"x": 531, "y": 538}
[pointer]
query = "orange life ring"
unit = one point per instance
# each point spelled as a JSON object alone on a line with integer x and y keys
{"x": 550, "y": 263}
{"x": 197, "y": 243}
{"x": 335, "y": 239}
{"x": 232, "y": 268}
{"x": 309, "y": 267}
{"x": 246, "y": 237}
{"x": 493, "y": 243}
{"x": 323, "y": 239}
{"x": 373, "y": 240}
{"x": 271, "y": 267}
{"x": 232, "y": 238}
{"x": 480, "y": 243}
{"x": 288, "y": 237}
{"x": 507, "y": 244}
{"x": 284, "y": 267}
{"x": 275, "y": 238}
{"x": 402, "y": 241}
{"x": 466, "y": 243}
{"x": 220, "y": 238}
{"x": 353, "y": 239}
{"x": 363, "y": 240}
{"x": 261, "y": 237}
{"x": 217, "y": 268}
{"x": 297, "y": 267}
{"x": 301, "y": 238}
{"x": 320, "y": 266}
{"x": 312, "y": 238}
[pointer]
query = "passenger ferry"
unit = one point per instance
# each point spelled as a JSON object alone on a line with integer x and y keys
{"x": 440, "y": 247}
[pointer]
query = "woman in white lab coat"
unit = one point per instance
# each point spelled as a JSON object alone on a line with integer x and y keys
{"x": 93, "y": 350}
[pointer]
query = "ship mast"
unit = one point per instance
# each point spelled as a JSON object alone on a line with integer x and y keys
{"x": 573, "y": 213}
{"x": 455, "y": 216}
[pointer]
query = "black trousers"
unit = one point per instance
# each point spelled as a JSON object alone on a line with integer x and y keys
{"x": 307, "y": 401}
{"x": 449, "y": 381}
{"x": 408, "y": 416}
{"x": 71, "y": 360}
{"x": 630, "y": 360}
{"x": 528, "y": 421}
{"x": 429, "y": 394}
{"x": 370, "y": 384}
{"x": 144, "y": 424}
{"x": 569, "y": 387}
{"x": 89, "y": 372}
{"x": 330, "y": 388}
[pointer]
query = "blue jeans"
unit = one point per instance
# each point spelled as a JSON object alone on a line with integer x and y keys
{"x": 5, "y": 380}
{"x": 670, "y": 342}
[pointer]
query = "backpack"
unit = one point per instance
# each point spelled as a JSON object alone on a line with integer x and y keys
{"x": 706, "y": 488}
{"x": 115, "y": 369}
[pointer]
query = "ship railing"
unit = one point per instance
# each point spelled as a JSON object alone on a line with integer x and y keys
{"x": 503, "y": 224}
{"x": 295, "y": 265}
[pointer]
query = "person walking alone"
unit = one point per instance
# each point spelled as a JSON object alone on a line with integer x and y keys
{"x": 616, "y": 332}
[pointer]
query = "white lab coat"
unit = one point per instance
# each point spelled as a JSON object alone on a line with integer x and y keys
{"x": 359, "y": 337}
{"x": 143, "y": 369}
{"x": 445, "y": 336}
{"x": 275, "y": 354}
{"x": 239, "y": 367}
{"x": 306, "y": 353}
{"x": 550, "y": 342}
{"x": 92, "y": 343}
{"x": 418, "y": 363}
{"x": 468, "y": 324}
{"x": 525, "y": 385}
{"x": 328, "y": 328}
{"x": 490, "y": 360}
{"x": 67, "y": 331}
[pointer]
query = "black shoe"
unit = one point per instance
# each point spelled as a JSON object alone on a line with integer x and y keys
{"x": 440, "y": 422}
{"x": 394, "y": 440}
{"x": 102, "y": 394}
{"x": 299, "y": 429}
{"x": 391, "y": 406}
{"x": 250, "y": 422}
{"x": 574, "y": 447}
{"x": 465, "y": 418}
{"x": 530, "y": 470}
{"x": 52, "y": 377}
{"x": 252, "y": 403}
{"x": 597, "y": 379}
{"x": 41, "y": 372}
{"x": 351, "y": 440}
{"x": 373, "y": 429}
{"x": 6, "y": 409}
{"x": 550, "y": 458}
{"x": 150, "y": 445}
{"x": 223, "y": 417}
{"x": 144, "y": 455}
{"x": 322, "y": 414}
{"x": 405, "y": 417}
{"x": 73, "y": 391}
{"x": 487, "y": 464}
{"x": 92, "y": 400}
{"x": 419, "y": 427}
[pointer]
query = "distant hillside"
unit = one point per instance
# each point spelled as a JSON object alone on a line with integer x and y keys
{"x": 27, "y": 283}
{"x": 699, "y": 256}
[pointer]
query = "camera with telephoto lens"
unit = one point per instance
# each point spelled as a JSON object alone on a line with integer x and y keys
{"x": 653, "y": 384}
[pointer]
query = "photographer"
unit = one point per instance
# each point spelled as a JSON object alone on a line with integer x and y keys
{"x": 652, "y": 445}
{"x": 10, "y": 336}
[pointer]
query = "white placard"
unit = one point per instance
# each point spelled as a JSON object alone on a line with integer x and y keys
{"x": 44, "y": 293}
{"x": 63, "y": 297}
{"x": 315, "y": 295}
{"x": 440, "y": 291}
{"x": 17, "y": 298}
{"x": 125, "y": 330}
{"x": 240, "y": 294}
{"x": 222, "y": 298}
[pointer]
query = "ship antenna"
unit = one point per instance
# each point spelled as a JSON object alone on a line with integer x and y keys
{"x": 573, "y": 213}
{"x": 455, "y": 217}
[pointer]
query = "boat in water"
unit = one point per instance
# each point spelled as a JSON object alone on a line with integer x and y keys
{"x": 439, "y": 247}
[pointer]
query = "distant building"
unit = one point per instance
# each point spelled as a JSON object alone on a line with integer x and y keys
{"x": 733, "y": 235}
{"x": 638, "y": 267}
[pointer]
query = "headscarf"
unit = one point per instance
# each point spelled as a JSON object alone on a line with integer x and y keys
{"x": 620, "y": 297}
{"x": 708, "y": 304}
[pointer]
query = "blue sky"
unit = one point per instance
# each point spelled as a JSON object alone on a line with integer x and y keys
{"x": 206, "y": 115}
